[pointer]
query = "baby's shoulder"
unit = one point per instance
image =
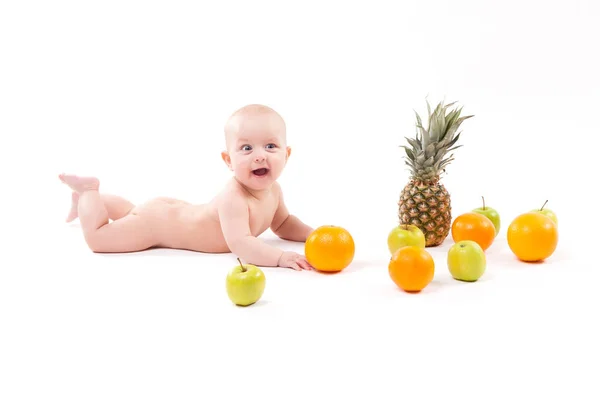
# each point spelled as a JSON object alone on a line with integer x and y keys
{"x": 231, "y": 193}
{"x": 276, "y": 188}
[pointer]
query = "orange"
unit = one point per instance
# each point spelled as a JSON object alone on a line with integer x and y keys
{"x": 532, "y": 236}
{"x": 329, "y": 248}
{"x": 411, "y": 268}
{"x": 475, "y": 227}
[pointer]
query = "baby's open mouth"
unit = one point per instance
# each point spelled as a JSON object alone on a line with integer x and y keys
{"x": 260, "y": 171}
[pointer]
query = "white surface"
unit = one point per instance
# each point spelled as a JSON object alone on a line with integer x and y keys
{"x": 159, "y": 325}
{"x": 137, "y": 94}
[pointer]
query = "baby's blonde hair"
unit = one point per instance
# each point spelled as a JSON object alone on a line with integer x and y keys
{"x": 249, "y": 111}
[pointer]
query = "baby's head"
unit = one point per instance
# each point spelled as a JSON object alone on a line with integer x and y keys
{"x": 256, "y": 147}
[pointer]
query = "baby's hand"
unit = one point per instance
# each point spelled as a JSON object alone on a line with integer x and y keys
{"x": 296, "y": 261}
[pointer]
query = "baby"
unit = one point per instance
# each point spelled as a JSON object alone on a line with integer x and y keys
{"x": 249, "y": 204}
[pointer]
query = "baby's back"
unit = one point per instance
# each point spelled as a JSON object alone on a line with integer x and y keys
{"x": 182, "y": 225}
{"x": 197, "y": 227}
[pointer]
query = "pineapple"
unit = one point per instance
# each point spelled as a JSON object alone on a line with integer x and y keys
{"x": 424, "y": 201}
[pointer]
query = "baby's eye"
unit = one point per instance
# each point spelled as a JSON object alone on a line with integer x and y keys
{"x": 246, "y": 147}
{"x": 271, "y": 146}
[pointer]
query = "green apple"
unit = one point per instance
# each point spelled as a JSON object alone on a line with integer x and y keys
{"x": 245, "y": 284}
{"x": 548, "y": 213}
{"x": 491, "y": 214}
{"x": 405, "y": 235}
{"x": 466, "y": 261}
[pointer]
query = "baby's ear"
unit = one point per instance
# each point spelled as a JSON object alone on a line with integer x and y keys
{"x": 227, "y": 159}
{"x": 288, "y": 151}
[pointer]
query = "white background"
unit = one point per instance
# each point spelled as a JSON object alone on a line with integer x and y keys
{"x": 137, "y": 93}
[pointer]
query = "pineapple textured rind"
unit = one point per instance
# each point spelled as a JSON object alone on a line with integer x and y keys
{"x": 424, "y": 201}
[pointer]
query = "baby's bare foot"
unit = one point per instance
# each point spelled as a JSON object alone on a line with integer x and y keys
{"x": 80, "y": 184}
{"x": 74, "y": 203}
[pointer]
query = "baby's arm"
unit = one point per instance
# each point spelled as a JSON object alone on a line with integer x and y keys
{"x": 288, "y": 226}
{"x": 235, "y": 224}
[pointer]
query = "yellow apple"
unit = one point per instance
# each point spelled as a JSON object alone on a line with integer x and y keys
{"x": 405, "y": 235}
{"x": 548, "y": 213}
{"x": 466, "y": 261}
{"x": 491, "y": 213}
{"x": 245, "y": 284}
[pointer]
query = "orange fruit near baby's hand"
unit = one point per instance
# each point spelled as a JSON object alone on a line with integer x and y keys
{"x": 329, "y": 248}
{"x": 475, "y": 227}
{"x": 411, "y": 268}
{"x": 532, "y": 236}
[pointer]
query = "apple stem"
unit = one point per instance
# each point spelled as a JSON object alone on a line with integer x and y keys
{"x": 241, "y": 265}
{"x": 483, "y": 199}
{"x": 543, "y": 205}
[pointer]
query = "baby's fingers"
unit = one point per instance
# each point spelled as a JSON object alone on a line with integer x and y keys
{"x": 296, "y": 266}
{"x": 304, "y": 264}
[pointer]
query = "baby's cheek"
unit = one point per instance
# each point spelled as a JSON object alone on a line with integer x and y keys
{"x": 240, "y": 163}
{"x": 281, "y": 162}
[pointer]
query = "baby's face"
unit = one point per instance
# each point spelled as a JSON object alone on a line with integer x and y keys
{"x": 257, "y": 151}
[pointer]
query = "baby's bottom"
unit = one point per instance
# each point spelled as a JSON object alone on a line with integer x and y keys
{"x": 128, "y": 232}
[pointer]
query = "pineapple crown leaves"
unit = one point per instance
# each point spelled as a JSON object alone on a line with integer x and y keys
{"x": 429, "y": 151}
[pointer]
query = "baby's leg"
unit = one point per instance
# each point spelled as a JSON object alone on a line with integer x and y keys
{"x": 116, "y": 206}
{"x": 74, "y": 204}
{"x": 128, "y": 234}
